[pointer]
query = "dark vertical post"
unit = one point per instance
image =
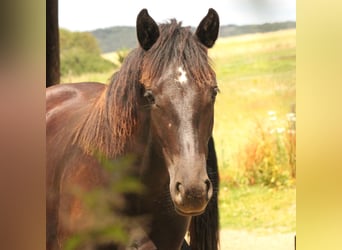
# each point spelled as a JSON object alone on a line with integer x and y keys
{"x": 52, "y": 43}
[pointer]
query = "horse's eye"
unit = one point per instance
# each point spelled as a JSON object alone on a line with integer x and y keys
{"x": 216, "y": 90}
{"x": 149, "y": 96}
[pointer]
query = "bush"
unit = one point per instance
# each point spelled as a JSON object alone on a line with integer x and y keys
{"x": 80, "y": 53}
{"x": 269, "y": 156}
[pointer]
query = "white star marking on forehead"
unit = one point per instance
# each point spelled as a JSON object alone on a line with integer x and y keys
{"x": 182, "y": 78}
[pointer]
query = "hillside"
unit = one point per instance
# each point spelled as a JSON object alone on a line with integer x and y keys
{"x": 123, "y": 37}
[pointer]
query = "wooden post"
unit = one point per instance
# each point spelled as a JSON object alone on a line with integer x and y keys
{"x": 52, "y": 43}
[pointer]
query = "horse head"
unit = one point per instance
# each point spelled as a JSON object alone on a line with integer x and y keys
{"x": 180, "y": 88}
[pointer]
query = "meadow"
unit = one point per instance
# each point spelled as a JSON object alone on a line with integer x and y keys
{"x": 254, "y": 129}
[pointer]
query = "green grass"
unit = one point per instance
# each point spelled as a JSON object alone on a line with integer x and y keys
{"x": 258, "y": 209}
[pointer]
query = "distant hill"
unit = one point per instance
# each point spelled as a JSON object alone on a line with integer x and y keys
{"x": 116, "y": 38}
{"x": 124, "y": 37}
{"x": 235, "y": 30}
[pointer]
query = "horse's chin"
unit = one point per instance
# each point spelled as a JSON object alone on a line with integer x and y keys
{"x": 189, "y": 213}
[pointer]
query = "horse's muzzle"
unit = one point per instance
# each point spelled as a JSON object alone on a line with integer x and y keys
{"x": 190, "y": 200}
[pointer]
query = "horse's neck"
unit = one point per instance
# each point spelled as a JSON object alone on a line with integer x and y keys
{"x": 150, "y": 160}
{"x": 149, "y": 169}
{"x": 154, "y": 171}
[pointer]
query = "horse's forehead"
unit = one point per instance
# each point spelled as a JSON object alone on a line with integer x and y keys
{"x": 180, "y": 91}
{"x": 179, "y": 82}
{"x": 181, "y": 76}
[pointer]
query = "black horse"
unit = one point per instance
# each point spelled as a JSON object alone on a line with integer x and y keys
{"x": 158, "y": 107}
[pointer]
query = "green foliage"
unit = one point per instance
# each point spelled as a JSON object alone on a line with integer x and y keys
{"x": 79, "y": 53}
{"x": 83, "y": 40}
{"x": 103, "y": 205}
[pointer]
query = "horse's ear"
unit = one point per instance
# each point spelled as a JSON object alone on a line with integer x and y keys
{"x": 207, "y": 30}
{"x": 147, "y": 30}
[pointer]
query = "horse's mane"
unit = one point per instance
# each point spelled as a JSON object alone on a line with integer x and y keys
{"x": 112, "y": 120}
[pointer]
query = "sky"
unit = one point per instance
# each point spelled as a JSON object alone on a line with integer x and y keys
{"x": 87, "y": 15}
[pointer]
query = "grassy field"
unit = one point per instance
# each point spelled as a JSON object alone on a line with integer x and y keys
{"x": 256, "y": 74}
{"x": 257, "y": 79}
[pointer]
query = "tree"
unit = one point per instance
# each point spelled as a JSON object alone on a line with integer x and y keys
{"x": 80, "y": 53}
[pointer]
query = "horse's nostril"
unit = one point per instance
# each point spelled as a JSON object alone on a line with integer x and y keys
{"x": 178, "y": 187}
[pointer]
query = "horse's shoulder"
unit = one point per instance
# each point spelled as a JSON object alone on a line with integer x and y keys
{"x": 66, "y": 91}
